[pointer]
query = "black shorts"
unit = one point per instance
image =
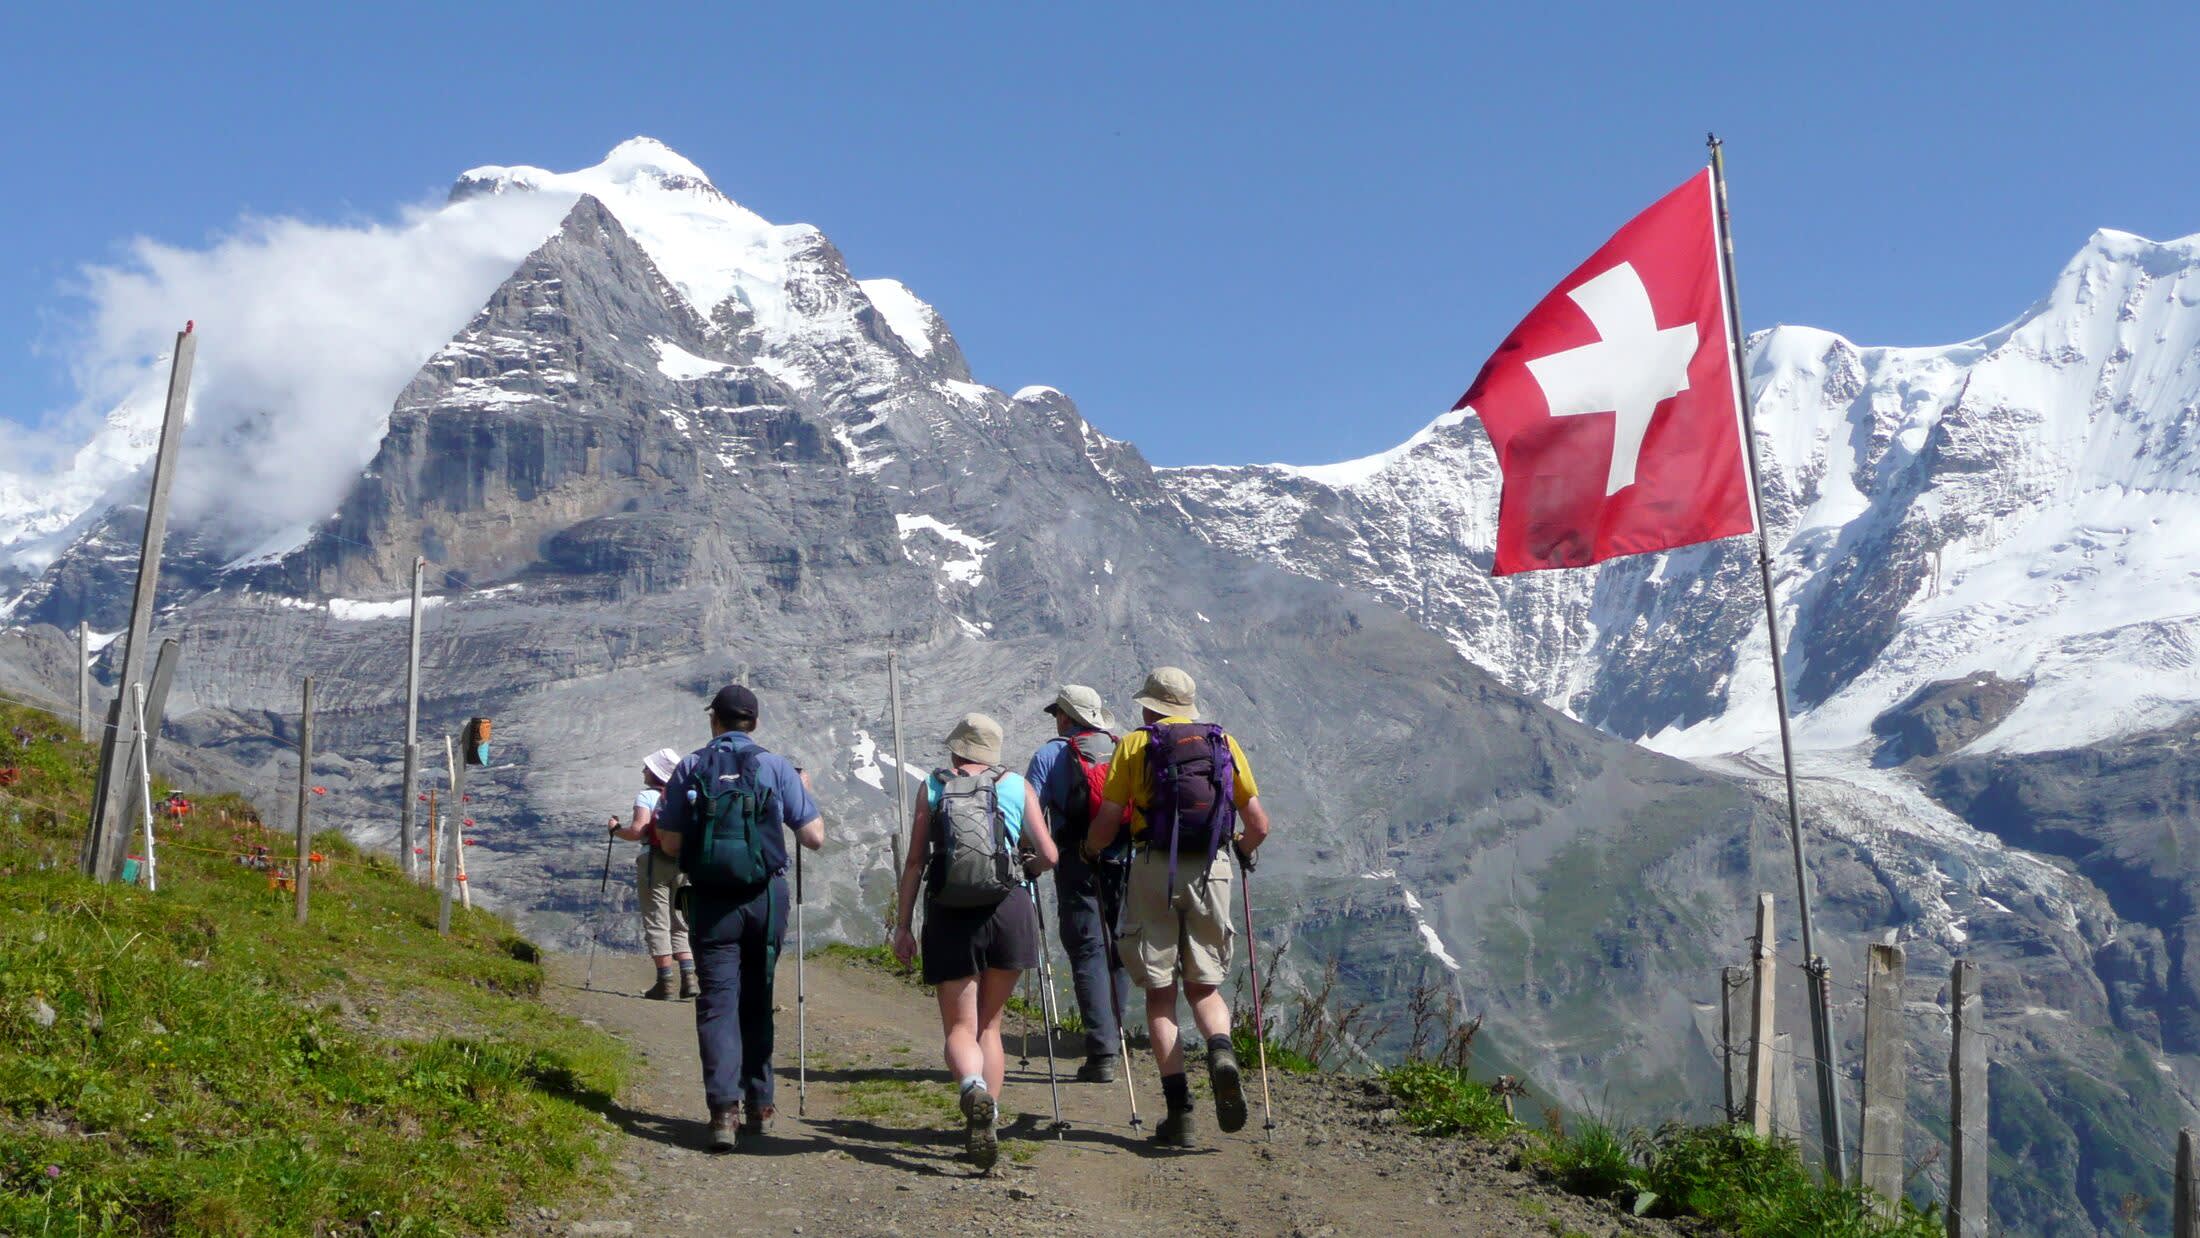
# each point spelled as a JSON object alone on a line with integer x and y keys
{"x": 960, "y": 942}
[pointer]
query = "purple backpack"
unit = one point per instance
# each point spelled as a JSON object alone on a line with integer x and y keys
{"x": 1192, "y": 780}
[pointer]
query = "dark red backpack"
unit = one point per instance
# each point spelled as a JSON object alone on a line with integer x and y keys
{"x": 1092, "y": 750}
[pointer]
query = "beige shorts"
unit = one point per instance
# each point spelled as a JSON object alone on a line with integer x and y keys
{"x": 1161, "y": 942}
{"x": 656, "y": 880}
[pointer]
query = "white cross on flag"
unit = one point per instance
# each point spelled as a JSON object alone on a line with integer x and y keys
{"x": 1613, "y": 404}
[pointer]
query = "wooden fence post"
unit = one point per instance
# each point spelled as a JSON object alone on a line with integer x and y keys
{"x": 1967, "y": 1207}
{"x": 1733, "y": 1017}
{"x": 1760, "y": 1024}
{"x": 2185, "y": 1209}
{"x": 1886, "y": 1059}
{"x": 304, "y": 870}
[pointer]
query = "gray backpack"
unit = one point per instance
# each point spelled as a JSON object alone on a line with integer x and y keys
{"x": 974, "y": 864}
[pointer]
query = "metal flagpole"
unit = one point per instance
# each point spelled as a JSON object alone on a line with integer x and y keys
{"x": 1821, "y": 1015}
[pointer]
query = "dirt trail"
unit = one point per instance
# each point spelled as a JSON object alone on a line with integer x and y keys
{"x": 878, "y": 1150}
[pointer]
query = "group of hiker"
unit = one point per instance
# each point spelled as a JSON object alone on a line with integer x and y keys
{"x": 1133, "y": 827}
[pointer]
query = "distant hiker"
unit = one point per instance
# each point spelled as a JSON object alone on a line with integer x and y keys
{"x": 1181, "y": 783}
{"x": 1069, "y": 772}
{"x": 657, "y": 880}
{"x": 977, "y": 837}
{"x": 725, "y": 807}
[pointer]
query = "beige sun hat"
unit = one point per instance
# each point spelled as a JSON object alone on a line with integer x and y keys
{"x": 661, "y": 763}
{"x": 1080, "y": 704}
{"x": 976, "y": 738}
{"x": 1170, "y": 693}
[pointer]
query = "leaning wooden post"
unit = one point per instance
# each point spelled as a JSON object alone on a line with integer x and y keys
{"x": 1761, "y": 1056}
{"x": 1886, "y": 1061}
{"x": 446, "y": 877}
{"x": 304, "y": 871}
{"x": 1733, "y": 1017}
{"x": 408, "y": 798}
{"x": 1967, "y": 1208}
{"x": 2185, "y": 1209}
{"x": 109, "y": 827}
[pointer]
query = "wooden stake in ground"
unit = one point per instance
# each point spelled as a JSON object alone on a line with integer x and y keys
{"x": 1886, "y": 1061}
{"x": 1733, "y": 1017}
{"x": 304, "y": 870}
{"x": 102, "y": 854}
{"x": 447, "y": 876}
{"x": 405, "y": 838}
{"x": 1760, "y": 1024}
{"x": 1967, "y": 1207}
{"x": 145, "y": 788}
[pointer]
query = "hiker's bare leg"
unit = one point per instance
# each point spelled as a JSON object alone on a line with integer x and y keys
{"x": 1161, "y": 1025}
{"x": 959, "y": 1020}
{"x": 994, "y": 988}
{"x": 1209, "y": 1011}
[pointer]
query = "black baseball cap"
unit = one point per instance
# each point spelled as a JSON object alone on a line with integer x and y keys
{"x": 734, "y": 701}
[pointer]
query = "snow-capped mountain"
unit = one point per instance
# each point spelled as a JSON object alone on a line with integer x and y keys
{"x": 648, "y": 441}
{"x": 780, "y": 290}
{"x": 2018, "y": 504}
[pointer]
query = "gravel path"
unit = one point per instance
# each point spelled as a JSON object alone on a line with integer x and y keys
{"x": 877, "y": 1152}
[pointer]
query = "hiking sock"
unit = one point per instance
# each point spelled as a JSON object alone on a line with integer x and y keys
{"x": 665, "y": 975}
{"x": 1218, "y": 1042}
{"x": 687, "y": 967}
{"x": 1176, "y": 1090}
{"x": 972, "y": 1081}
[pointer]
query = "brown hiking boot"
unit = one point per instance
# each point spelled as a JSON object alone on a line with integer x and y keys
{"x": 1223, "y": 1075}
{"x": 690, "y": 987}
{"x": 725, "y": 1128}
{"x": 759, "y": 1120}
{"x": 661, "y": 991}
{"x": 1175, "y": 1130}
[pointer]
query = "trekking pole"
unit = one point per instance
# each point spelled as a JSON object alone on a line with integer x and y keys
{"x": 1115, "y": 1001}
{"x": 801, "y": 1002}
{"x": 1252, "y": 962}
{"x": 1047, "y": 1009}
{"x": 595, "y": 930}
{"x": 1023, "y": 1045}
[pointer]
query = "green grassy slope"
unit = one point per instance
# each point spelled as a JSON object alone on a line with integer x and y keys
{"x": 194, "y": 1061}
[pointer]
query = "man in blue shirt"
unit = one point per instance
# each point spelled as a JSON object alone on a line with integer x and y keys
{"x": 1086, "y": 893}
{"x": 735, "y": 930}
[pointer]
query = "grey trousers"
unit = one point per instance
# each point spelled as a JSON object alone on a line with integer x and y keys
{"x": 1088, "y": 896}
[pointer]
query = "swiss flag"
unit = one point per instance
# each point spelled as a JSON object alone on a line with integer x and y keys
{"x": 1613, "y": 405}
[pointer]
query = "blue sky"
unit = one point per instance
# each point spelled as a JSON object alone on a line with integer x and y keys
{"x": 1285, "y": 235}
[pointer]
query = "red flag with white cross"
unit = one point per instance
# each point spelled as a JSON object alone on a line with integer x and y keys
{"x": 1613, "y": 405}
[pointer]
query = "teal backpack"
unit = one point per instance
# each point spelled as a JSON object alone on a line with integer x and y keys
{"x": 731, "y": 813}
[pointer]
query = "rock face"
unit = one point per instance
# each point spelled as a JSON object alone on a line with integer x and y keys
{"x": 630, "y": 493}
{"x": 1941, "y": 717}
{"x": 680, "y": 445}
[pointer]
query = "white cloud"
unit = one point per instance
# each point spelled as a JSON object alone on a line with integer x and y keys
{"x": 307, "y": 333}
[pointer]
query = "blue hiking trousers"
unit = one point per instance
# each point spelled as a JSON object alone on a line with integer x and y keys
{"x": 736, "y": 943}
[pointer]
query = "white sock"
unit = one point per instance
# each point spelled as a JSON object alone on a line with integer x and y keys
{"x": 973, "y": 1081}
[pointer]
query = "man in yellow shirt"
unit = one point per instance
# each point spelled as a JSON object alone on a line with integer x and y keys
{"x": 1180, "y": 785}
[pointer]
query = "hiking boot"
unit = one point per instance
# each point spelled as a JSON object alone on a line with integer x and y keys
{"x": 980, "y": 1139}
{"x": 1097, "y": 1070}
{"x": 759, "y": 1120}
{"x": 1222, "y": 1073}
{"x": 1175, "y": 1130}
{"x": 725, "y": 1128}
{"x": 690, "y": 987}
{"x": 661, "y": 991}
